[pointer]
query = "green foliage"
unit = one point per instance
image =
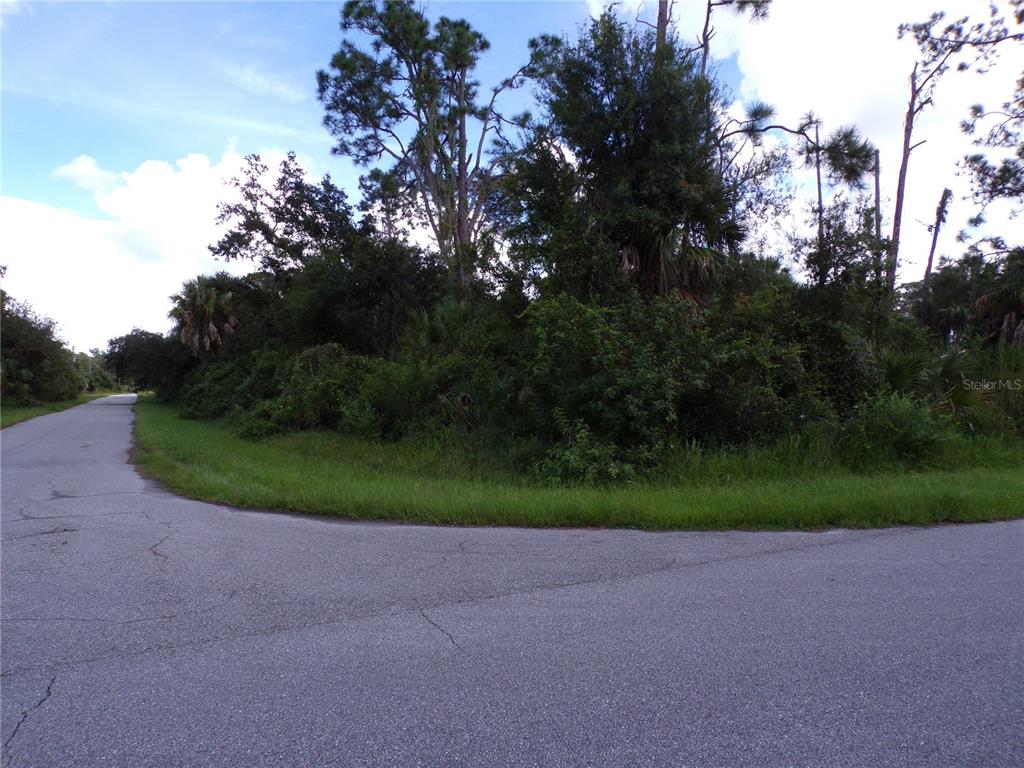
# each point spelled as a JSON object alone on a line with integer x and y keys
{"x": 975, "y": 296}
{"x": 35, "y": 366}
{"x": 92, "y": 369}
{"x": 894, "y": 427}
{"x": 283, "y": 225}
{"x": 611, "y": 369}
{"x": 362, "y": 298}
{"x": 322, "y": 383}
{"x": 233, "y": 385}
{"x": 143, "y": 359}
{"x": 622, "y": 336}
{"x": 203, "y": 314}
{"x": 644, "y": 176}
{"x": 416, "y": 82}
{"x": 580, "y": 459}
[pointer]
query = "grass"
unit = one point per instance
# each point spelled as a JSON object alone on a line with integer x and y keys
{"x": 13, "y": 414}
{"x": 329, "y": 474}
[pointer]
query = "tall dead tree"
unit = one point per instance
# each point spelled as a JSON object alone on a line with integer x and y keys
{"x": 758, "y": 9}
{"x": 940, "y": 219}
{"x": 878, "y": 217}
{"x": 942, "y": 44}
{"x": 921, "y": 88}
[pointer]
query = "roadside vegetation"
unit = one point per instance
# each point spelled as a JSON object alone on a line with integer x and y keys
{"x": 14, "y": 414}
{"x": 443, "y": 482}
{"x": 38, "y": 373}
{"x": 599, "y": 334}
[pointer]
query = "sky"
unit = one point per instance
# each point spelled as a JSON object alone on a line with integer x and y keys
{"x": 121, "y": 122}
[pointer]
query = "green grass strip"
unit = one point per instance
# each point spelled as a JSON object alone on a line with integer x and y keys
{"x": 331, "y": 475}
{"x": 14, "y": 414}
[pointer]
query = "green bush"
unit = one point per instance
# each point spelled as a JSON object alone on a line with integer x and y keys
{"x": 893, "y": 428}
{"x": 580, "y": 459}
{"x": 233, "y": 386}
{"x": 613, "y": 370}
{"x": 35, "y": 366}
{"x": 755, "y": 381}
{"x": 263, "y": 419}
{"x": 322, "y": 382}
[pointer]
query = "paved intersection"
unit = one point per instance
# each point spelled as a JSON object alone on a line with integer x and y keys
{"x": 141, "y": 629}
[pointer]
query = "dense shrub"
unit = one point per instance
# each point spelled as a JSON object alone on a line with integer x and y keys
{"x": 362, "y": 299}
{"x": 893, "y": 427}
{"x": 613, "y": 370}
{"x": 753, "y": 382}
{"x": 35, "y": 366}
{"x": 233, "y": 385}
{"x": 322, "y": 383}
{"x": 579, "y": 458}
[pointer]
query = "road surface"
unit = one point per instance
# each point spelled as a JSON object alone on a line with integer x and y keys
{"x": 141, "y": 629}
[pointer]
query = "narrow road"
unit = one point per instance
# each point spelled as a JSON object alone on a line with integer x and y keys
{"x": 141, "y": 629}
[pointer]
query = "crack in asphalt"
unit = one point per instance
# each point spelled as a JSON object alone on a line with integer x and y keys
{"x": 7, "y": 748}
{"x": 441, "y": 629}
{"x": 461, "y": 550}
{"x": 672, "y": 565}
{"x": 70, "y": 566}
{"x": 65, "y": 517}
{"x": 57, "y": 495}
{"x": 155, "y": 551}
{"x": 119, "y": 622}
{"x": 39, "y": 533}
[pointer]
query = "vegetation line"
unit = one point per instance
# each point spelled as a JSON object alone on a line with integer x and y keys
{"x": 10, "y": 415}
{"x": 330, "y": 474}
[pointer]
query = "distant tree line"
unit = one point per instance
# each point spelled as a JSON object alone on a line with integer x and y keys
{"x": 35, "y": 364}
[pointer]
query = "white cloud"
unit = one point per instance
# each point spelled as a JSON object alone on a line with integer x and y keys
{"x": 100, "y": 277}
{"x": 84, "y": 171}
{"x": 850, "y": 68}
{"x": 632, "y": 8}
{"x": 10, "y": 8}
{"x": 263, "y": 84}
{"x": 853, "y": 69}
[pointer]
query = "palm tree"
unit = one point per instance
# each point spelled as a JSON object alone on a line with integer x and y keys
{"x": 203, "y": 315}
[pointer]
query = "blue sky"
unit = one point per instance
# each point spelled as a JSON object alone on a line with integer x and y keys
{"x": 121, "y": 121}
{"x": 133, "y": 81}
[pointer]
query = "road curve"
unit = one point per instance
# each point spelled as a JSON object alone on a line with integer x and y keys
{"x": 141, "y": 629}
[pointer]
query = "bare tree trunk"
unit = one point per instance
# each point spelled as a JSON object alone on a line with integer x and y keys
{"x": 663, "y": 18}
{"x": 940, "y": 218}
{"x": 821, "y": 204}
{"x": 901, "y": 185}
{"x": 878, "y": 217}
{"x": 705, "y": 40}
{"x": 463, "y": 236}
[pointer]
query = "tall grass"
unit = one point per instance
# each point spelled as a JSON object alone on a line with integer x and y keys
{"x": 14, "y": 414}
{"x": 417, "y": 481}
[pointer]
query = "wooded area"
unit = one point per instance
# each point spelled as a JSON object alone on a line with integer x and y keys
{"x": 591, "y": 303}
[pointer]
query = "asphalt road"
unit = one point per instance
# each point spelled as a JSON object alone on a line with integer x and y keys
{"x": 140, "y": 629}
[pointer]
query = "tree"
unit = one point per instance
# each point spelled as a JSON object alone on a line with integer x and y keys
{"x": 281, "y": 226}
{"x": 758, "y": 9}
{"x": 362, "y": 299}
{"x": 1000, "y": 310}
{"x": 1002, "y": 179}
{"x": 639, "y": 126}
{"x": 967, "y": 45}
{"x": 141, "y": 357}
{"x": 93, "y": 371}
{"x": 413, "y": 101}
{"x": 35, "y": 366}
{"x": 202, "y": 315}
{"x": 940, "y": 219}
{"x": 845, "y": 156}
